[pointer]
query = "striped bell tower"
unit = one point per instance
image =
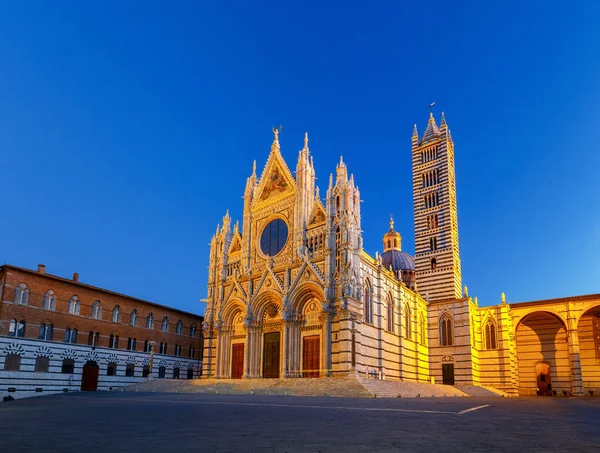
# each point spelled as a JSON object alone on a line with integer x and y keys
{"x": 437, "y": 259}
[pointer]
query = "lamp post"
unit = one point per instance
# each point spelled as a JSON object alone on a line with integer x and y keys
{"x": 150, "y": 376}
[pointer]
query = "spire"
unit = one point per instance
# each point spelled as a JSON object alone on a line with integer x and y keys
{"x": 415, "y": 133}
{"x": 306, "y": 141}
{"x": 254, "y": 168}
{"x": 330, "y": 181}
{"x": 443, "y": 122}
{"x": 342, "y": 174}
{"x": 317, "y": 194}
{"x": 432, "y": 132}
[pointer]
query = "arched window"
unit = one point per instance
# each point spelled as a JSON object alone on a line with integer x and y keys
{"x": 133, "y": 317}
{"x": 338, "y": 251}
{"x": 150, "y": 321}
{"x": 146, "y": 371}
{"x": 407, "y": 321}
{"x": 46, "y": 331}
{"x": 116, "y": 314}
{"x": 178, "y": 350}
{"x": 192, "y": 352}
{"x": 134, "y": 344}
{"x": 390, "y": 314}
{"x": 42, "y": 364}
{"x": 491, "y": 337}
{"x": 96, "y": 310}
{"x": 49, "y": 300}
{"x": 165, "y": 324}
{"x": 129, "y": 342}
{"x": 111, "y": 369}
{"x": 73, "y": 305}
{"x": 446, "y": 330}
{"x": 68, "y": 366}
{"x": 162, "y": 371}
{"x": 91, "y": 338}
{"x": 422, "y": 331}
{"x": 193, "y": 330}
{"x": 16, "y": 329}
{"x": 70, "y": 335}
{"x": 21, "y": 294}
{"x": 433, "y": 264}
{"x": 12, "y": 362}
{"x": 113, "y": 341}
{"x": 146, "y": 346}
{"x": 368, "y": 303}
{"x": 179, "y": 327}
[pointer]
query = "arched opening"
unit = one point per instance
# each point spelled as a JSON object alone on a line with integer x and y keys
{"x": 89, "y": 376}
{"x": 542, "y": 339}
{"x": 588, "y": 329}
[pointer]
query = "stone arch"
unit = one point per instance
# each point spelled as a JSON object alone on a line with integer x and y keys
{"x": 588, "y": 331}
{"x": 262, "y": 301}
{"x": 303, "y": 294}
{"x": 541, "y": 337}
{"x": 231, "y": 310}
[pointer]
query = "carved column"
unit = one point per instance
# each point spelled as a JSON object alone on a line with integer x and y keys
{"x": 328, "y": 315}
{"x": 218, "y": 353}
{"x": 248, "y": 322}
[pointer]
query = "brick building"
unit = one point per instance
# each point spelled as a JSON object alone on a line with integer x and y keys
{"x": 58, "y": 334}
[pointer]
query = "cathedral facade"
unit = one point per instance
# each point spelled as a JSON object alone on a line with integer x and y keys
{"x": 293, "y": 294}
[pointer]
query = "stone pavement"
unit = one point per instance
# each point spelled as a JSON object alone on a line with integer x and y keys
{"x": 164, "y": 422}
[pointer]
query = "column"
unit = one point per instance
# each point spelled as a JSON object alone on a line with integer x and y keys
{"x": 248, "y": 321}
{"x": 328, "y": 315}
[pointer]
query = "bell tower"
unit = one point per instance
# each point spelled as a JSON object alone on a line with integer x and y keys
{"x": 437, "y": 259}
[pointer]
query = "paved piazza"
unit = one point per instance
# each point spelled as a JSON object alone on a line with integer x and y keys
{"x": 121, "y": 421}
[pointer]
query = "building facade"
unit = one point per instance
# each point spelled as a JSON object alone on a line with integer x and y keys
{"x": 60, "y": 335}
{"x": 292, "y": 293}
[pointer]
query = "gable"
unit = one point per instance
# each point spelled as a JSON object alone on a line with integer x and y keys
{"x": 318, "y": 215}
{"x": 276, "y": 180}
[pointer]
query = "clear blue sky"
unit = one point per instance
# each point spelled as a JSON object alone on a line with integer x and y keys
{"x": 128, "y": 128}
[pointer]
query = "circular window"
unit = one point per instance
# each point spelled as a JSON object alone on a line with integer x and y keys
{"x": 273, "y": 237}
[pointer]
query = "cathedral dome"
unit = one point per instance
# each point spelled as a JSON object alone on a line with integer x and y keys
{"x": 402, "y": 264}
{"x": 399, "y": 260}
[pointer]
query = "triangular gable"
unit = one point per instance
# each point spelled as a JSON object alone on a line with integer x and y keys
{"x": 276, "y": 180}
{"x": 318, "y": 215}
{"x": 268, "y": 275}
{"x": 236, "y": 243}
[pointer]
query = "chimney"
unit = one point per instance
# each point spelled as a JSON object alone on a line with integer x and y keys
{"x": 75, "y": 277}
{"x": 41, "y": 268}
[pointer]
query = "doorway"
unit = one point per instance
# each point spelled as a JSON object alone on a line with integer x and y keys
{"x": 237, "y": 361}
{"x": 89, "y": 376}
{"x": 311, "y": 356}
{"x": 271, "y": 355}
{"x": 544, "y": 381}
{"x": 448, "y": 373}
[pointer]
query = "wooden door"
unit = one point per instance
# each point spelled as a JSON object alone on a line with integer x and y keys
{"x": 237, "y": 361}
{"x": 448, "y": 373}
{"x": 544, "y": 382}
{"x": 311, "y": 355}
{"x": 271, "y": 355}
{"x": 89, "y": 377}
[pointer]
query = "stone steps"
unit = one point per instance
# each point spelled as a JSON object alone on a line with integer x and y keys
{"x": 482, "y": 391}
{"x": 404, "y": 389}
{"x": 338, "y": 387}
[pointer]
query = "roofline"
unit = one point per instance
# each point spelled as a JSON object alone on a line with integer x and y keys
{"x": 96, "y": 288}
{"x": 581, "y": 298}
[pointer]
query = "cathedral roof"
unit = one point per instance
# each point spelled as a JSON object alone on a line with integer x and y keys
{"x": 400, "y": 261}
{"x": 432, "y": 132}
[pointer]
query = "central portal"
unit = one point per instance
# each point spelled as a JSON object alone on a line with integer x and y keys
{"x": 311, "y": 356}
{"x": 271, "y": 355}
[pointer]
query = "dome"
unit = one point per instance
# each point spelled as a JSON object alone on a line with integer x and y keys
{"x": 400, "y": 261}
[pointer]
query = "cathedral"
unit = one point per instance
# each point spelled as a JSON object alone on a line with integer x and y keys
{"x": 293, "y": 294}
